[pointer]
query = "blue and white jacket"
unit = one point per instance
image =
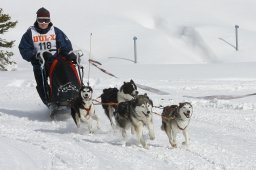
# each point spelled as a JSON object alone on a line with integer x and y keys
{"x": 36, "y": 38}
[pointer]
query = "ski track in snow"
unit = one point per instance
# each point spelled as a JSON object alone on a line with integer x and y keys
{"x": 222, "y": 135}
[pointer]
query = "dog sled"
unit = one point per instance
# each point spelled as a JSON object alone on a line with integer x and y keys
{"x": 64, "y": 80}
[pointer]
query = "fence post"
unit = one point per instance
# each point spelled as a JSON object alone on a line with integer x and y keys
{"x": 135, "y": 49}
{"x": 236, "y": 26}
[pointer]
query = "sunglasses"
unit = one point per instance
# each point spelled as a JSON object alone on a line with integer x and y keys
{"x": 41, "y": 20}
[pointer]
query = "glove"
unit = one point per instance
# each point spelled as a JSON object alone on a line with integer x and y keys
{"x": 47, "y": 55}
{"x": 72, "y": 57}
{"x": 37, "y": 60}
{"x": 34, "y": 60}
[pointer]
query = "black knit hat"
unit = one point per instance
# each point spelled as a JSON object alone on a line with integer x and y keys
{"x": 42, "y": 12}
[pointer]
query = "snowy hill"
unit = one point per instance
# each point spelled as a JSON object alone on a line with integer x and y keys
{"x": 184, "y": 48}
{"x": 169, "y": 32}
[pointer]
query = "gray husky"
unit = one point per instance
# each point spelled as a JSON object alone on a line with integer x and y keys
{"x": 134, "y": 115}
{"x": 175, "y": 119}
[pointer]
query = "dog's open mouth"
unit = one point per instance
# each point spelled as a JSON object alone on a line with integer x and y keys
{"x": 86, "y": 97}
{"x": 187, "y": 115}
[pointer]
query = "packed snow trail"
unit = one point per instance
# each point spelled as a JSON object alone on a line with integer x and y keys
{"x": 222, "y": 132}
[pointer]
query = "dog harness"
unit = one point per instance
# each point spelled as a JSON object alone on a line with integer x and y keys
{"x": 180, "y": 126}
{"x": 87, "y": 109}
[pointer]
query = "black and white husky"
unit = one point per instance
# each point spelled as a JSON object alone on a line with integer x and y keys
{"x": 112, "y": 96}
{"x": 82, "y": 108}
{"x": 175, "y": 119}
{"x": 134, "y": 115}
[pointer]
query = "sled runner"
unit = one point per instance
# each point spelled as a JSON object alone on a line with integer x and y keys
{"x": 64, "y": 80}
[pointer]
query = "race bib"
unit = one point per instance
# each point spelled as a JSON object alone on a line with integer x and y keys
{"x": 44, "y": 41}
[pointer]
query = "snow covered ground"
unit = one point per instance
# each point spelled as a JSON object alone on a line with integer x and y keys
{"x": 222, "y": 131}
{"x": 184, "y": 48}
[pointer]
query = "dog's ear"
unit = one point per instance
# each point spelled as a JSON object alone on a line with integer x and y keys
{"x": 131, "y": 81}
{"x": 90, "y": 88}
{"x": 122, "y": 87}
{"x": 133, "y": 102}
{"x": 151, "y": 102}
{"x": 81, "y": 88}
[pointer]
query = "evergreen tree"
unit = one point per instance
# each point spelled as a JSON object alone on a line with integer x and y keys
{"x": 5, "y": 56}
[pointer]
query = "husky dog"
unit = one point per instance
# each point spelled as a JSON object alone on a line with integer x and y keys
{"x": 176, "y": 119}
{"x": 82, "y": 108}
{"x": 136, "y": 114}
{"x": 112, "y": 96}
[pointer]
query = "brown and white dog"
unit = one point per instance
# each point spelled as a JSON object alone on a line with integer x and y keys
{"x": 82, "y": 108}
{"x": 175, "y": 119}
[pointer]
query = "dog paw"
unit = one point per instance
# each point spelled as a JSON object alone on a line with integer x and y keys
{"x": 152, "y": 137}
{"x": 174, "y": 145}
{"x": 91, "y": 132}
{"x": 169, "y": 147}
{"x": 123, "y": 144}
{"x": 146, "y": 147}
{"x": 184, "y": 143}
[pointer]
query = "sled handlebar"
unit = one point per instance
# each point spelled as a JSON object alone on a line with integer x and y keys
{"x": 78, "y": 54}
{"x": 41, "y": 59}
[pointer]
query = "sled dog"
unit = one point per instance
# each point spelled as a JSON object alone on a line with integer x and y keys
{"x": 82, "y": 108}
{"x": 134, "y": 115}
{"x": 175, "y": 119}
{"x": 112, "y": 96}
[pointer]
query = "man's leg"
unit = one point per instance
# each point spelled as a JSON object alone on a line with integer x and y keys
{"x": 42, "y": 89}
